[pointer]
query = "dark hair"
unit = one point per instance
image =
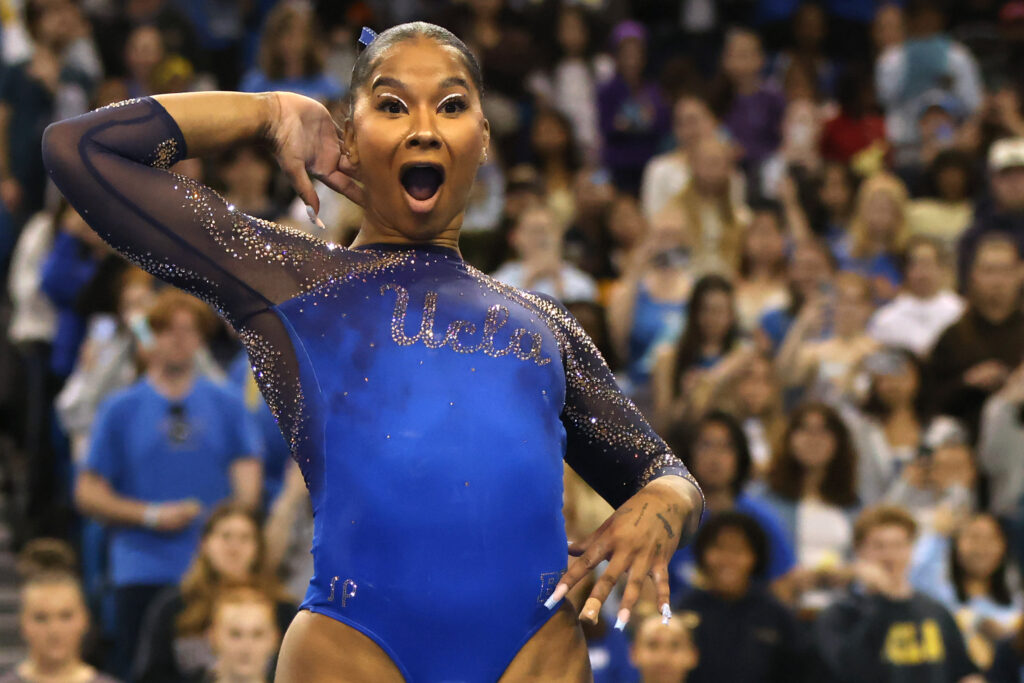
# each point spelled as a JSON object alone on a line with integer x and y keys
{"x": 874, "y": 405}
{"x": 785, "y": 474}
{"x": 368, "y": 58}
{"x": 689, "y": 346}
{"x": 737, "y": 521}
{"x": 956, "y": 159}
{"x": 737, "y": 441}
{"x": 914, "y": 243}
{"x": 998, "y": 587}
{"x": 572, "y": 156}
{"x": 278, "y": 21}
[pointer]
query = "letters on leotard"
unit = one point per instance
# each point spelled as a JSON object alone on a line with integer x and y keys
{"x": 496, "y": 318}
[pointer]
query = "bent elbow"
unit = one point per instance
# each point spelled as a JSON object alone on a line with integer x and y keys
{"x": 59, "y": 148}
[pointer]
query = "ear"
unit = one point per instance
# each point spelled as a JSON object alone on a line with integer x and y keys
{"x": 348, "y": 138}
{"x": 487, "y": 139}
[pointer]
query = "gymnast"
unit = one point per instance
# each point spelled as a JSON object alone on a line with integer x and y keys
{"x": 429, "y": 407}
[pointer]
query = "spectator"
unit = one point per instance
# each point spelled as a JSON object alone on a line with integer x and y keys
{"x": 941, "y": 128}
{"x": 857, "y": 130}
{"x": 663, "y": 653}
{"x": 714, "y": 219}
{"x": 1002, "y": 431}
{"x": 634, "y": 116}
{"x": 741, "y": 632}
{"x": 719, "y": 458}
{"x": 144, "y": 52}
{"x": 967, "y": 573}
{"x": 809, "y": 273}
{"x": 232, "y": 553}
{"x": 973, "y": 357}
{"x": 244, "y": 636}
{"x": 832, "y": 205}
{"x": 761, "y": 285}
{"x": 247, "y": 173}
{"x": 889, "y": 428}
{"x": 608, "y": 647}
{"x": 647, "y": 305}
{"x": 807, "y": 54}
{"x": 667, "y": 174}
{"x": 48, "y": 86}
{"x": 288, "y": 532}
{"x": 754, "y": 398}
{"x": 705, "y": 354}
{"x": 751, "y": 110}
{"x": 945, "y": 210}
{"x": 537, "y": 240}
{"x": 187, "y": 445}
{"x": 54, "y": 619}
{"x": 908, "y": 71}
{"x": 938, "y": 487}
{"x": 290, "y": 57}
{"x": 811, "y": 489}
{"x": 558, "y": 159}
{"x": 571, "y": 83}
{"x": 925, "y": 305}
{"x": 877, "y": 235}
{"x": 798, "y": 159}
{"x": 1004, "y": 213}
{"x": 882, "y": 629}
{"x": 1009, "y": 658}
{"x": 825, "y": 369}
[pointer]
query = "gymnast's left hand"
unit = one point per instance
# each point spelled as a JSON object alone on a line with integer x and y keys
{"x": 638, "y": 540}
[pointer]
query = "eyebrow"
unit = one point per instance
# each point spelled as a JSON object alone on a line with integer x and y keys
{"x": 387, "y": 81}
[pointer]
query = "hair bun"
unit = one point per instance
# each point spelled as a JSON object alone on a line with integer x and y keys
{"x": 45, "y": 555}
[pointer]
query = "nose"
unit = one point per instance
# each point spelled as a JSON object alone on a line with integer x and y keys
{"x": 423, "y": 139}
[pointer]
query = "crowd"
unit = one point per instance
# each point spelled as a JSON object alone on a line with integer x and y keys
{"x": 794, "y": 228}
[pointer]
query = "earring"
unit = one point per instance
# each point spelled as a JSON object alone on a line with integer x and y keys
{"x": 483, "y": 160}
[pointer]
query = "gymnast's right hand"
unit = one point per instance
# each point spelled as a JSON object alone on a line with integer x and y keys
{"x": 307, "y": 141}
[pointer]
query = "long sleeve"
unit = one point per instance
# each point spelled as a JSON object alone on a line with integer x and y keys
{"x": 112, "y": 163}
{"x": 608, "y": 441}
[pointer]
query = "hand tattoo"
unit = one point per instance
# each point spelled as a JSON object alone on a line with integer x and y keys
{"x": 668, "y": 527}
{"x": 641, "y": 515}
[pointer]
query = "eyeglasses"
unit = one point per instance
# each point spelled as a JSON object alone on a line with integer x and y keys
{"x": 178, "y": 428}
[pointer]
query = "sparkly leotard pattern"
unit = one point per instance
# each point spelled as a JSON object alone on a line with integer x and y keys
{"x": 429, "y": 406}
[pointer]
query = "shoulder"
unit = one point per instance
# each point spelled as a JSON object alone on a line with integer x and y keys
{"x": 221, "y": 394}
{"x": 126, "y": 398}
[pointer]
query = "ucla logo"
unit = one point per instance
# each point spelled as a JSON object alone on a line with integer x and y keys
{"x": 524, "y": 345}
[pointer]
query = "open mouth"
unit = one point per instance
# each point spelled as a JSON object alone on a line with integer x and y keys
{"x": 422, "y": 181}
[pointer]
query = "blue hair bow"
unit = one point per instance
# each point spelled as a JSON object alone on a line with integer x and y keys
{"x": 367, "y": 36}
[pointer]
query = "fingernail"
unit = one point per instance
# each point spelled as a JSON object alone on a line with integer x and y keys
{"x": 666, "y": 613}
{"x": 591, "y": 616}
{"x": 620, "y": 622}
{"x": 313, "y": 218}
{"x": 560, "y": 591}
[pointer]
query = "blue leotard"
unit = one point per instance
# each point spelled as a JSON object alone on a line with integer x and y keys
{"x": 429, "y": 406}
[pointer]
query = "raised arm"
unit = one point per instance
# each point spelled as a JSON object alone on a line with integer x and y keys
{"x": 112, "y": 163}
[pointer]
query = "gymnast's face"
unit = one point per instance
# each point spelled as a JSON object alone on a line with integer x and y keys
{"x": 417, "y": 135}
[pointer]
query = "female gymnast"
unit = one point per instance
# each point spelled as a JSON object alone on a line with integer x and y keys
{"x": 429, "y": 406}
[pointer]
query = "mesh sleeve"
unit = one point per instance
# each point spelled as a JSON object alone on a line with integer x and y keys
{"x": 112, "y": 165}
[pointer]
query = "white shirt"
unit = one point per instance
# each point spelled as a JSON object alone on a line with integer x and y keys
{"x": 576, "y": 285}
{"x": 33, "y": 317}
{"x": 913, "y": 323}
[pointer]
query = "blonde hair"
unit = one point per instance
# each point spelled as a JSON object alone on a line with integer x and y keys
{"x": 894, "y": 190}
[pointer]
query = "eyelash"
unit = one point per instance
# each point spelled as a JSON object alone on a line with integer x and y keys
{"x": 388, "y": 101}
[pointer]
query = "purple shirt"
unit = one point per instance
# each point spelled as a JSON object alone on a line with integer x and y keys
{"x": 633, "y": 124}
{"x": 755, "y": 121}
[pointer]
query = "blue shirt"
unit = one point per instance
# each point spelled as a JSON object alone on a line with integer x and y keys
{"x": 133, "y": 447}
{"x": 781, "y": 557}
{"x": 609, "y": 658}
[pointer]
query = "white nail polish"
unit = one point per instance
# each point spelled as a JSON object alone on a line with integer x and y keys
{"x": 560, "y": 591}
{"x": 313, "y": 218}
{"x": 620, "y": 621}
{"x": 666, "y": 613}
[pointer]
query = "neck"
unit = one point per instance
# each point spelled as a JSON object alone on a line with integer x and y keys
{"x": 376, "y": 232}
{"x": 237, "y": 678}
{"x": 813, "y": 479}
{"x": 731, "y": 593}
{"x": 172, "y": 381}
{"x": 747, "y": 85}
{"x": 994, "y": 312}
{"x": 35, "y": 669}
{"x": 975, "y": 587}
{"x": 762, "y": 272}
{"x": 925, "y": 294}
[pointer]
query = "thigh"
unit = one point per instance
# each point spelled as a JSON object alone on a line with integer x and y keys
{"x": 319, "y": 649}
{"x": 557, "y": 653}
